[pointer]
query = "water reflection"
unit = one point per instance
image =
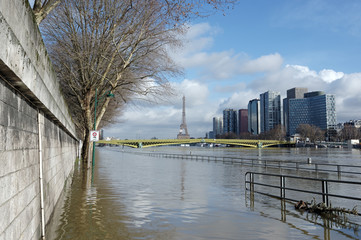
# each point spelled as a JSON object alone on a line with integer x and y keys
{"x": 131, "y": 196}
{"x": 309, "y": 224}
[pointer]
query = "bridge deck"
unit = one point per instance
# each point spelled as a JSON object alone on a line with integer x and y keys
{"x": 142, "y": 143}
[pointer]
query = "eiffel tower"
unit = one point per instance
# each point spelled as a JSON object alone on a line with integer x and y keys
{"x": 183, "y": 131}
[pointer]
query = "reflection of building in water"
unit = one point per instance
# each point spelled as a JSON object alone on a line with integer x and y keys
{"x": 183, "y": 173}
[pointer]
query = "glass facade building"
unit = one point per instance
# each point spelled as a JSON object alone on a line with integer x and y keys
{"x": 271, "y": 112}
{"x": 316, "y": 108}
{"x": 243, "y": 120}
{"x": 254, "y": 119}
{"x": 217, "y": 126}
{"x": 230, "y": 121}
{"x": 293, "y": 93}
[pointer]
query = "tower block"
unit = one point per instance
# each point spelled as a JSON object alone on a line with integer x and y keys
{"x": 183, "y": 131}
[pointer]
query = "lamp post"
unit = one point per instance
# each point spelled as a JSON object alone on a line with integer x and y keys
{"x": 107, "y": 94}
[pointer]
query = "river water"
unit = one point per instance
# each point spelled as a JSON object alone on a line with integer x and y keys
{"x": 131, "y": 195}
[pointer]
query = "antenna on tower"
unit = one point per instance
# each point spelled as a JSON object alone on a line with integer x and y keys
{"x": 183, "y": 131}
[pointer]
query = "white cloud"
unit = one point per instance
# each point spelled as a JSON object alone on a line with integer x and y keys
{"x": 227, "y": 64}
{"x": 219, "y": 64}
{"x": 329, "y": 75}
{"x": 195, "y": 92}
{"x": 348, "y": 98}
{"x": 163, "y": 120}
{"x": 240, "y": 79}
{"x": 265, "y": 63}
{"x": 238, "y": 100}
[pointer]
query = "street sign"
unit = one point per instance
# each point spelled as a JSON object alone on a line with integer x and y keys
{"x": 94, "y": 136}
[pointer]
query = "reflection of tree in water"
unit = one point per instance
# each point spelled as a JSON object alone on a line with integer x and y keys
{"x": 92, "y": 211}
{"x": 334, "y": 222}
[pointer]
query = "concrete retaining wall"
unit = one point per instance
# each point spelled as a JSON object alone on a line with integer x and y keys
{"x": 29, "y": 98}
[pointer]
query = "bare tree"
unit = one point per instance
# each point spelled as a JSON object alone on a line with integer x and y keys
{"x": 313, "y": 133}
{"x": 108, "y": 46}
{"x": 118, "y": 46}
{"x": 176, "y": 11}
{"x": 42, "y": 8}
{"x": 350, "y": 132}
{"x": 277, "y": 133}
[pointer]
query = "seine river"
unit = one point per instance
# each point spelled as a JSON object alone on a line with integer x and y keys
{"x": 132, "y": 195}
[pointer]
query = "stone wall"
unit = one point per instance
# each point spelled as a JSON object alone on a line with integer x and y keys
{"x": 30, "y": 100}
{"x": 19, "y": 165}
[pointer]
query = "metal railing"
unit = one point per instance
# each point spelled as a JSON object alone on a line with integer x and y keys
{"x": 250, "y": 183}
{"x": 268, "y": 163}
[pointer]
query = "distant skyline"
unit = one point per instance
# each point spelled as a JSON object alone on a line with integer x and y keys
{"x": 261, "y": 45}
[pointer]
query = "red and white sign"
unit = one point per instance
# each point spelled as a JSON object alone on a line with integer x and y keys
{"x": 94, "y": 136}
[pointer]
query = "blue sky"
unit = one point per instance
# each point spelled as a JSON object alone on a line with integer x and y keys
{"x": 260, "y": 45}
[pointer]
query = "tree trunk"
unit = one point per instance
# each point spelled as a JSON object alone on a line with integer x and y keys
{"x": 85, "y": 148}
{"x": 88, "y": 128}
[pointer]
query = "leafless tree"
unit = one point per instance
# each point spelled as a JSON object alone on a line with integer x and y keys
{"x": 118, "y": 46}
{"x": 350, "y": 132}
{"x": 42, "y": 8}
{"x": 177, "y": 11}
{"x": 313, "y": 133}
{"x": 277, "y": 133}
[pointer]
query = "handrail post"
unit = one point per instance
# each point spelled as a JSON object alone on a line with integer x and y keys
{"x": 326, "y": 187}
{"x": 282, "y": 187}
{"x": 251, "y": 181}
{"x": 325, "y": 192}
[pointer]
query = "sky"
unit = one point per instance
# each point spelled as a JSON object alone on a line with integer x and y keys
{"x": 258, "y": 46}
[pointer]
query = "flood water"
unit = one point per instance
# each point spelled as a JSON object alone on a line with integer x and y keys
{"x": 137, "y": 196}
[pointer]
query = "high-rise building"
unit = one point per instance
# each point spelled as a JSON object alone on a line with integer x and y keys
{"x": 230, "y": 121}
{"x": 243, "y": 120}
{"x": 217, "y": 126}
{"x": 294, "y": 93}
{"x": 271, "y": 112}
{"x": 254, "y": 119}
{"x": 316, "y": 108}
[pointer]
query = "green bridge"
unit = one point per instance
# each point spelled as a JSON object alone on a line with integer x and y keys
{"x": 142, "y": 143}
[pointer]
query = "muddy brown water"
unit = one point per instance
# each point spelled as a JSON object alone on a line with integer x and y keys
{"x": 132, "y": 196}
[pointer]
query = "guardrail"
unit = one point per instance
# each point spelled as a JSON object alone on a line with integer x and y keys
{"x": 251, "y": 183}
{"x": 306, "y": 165}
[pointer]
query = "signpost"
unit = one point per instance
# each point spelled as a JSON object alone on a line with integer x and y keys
{"x": 94, "y": 136}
